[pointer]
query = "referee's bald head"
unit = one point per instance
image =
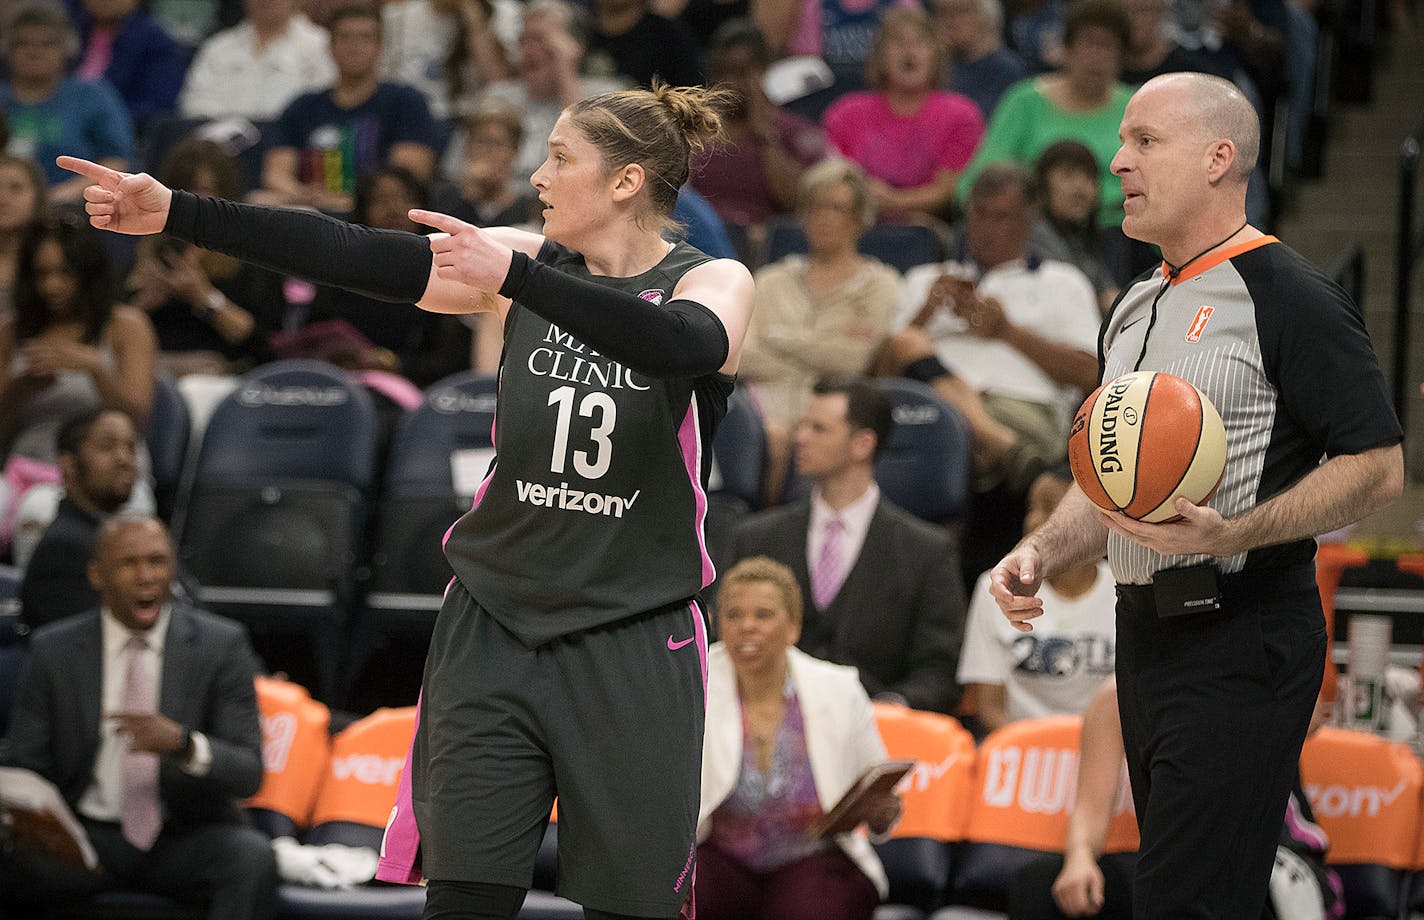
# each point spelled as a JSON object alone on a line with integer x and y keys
{"x": 1216, "y": 110}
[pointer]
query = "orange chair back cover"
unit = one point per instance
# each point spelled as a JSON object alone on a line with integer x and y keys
{"x": 1364, "y": 792}
{"x": 295, "y": 748}
{"x": 1025, "y": 785}
{"x": 936, "y": 792}
{"x": 367, "y": 758}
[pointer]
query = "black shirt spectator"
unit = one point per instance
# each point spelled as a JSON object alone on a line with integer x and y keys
{"x": 97, "y": 456}
{"x": 643, "y": 45}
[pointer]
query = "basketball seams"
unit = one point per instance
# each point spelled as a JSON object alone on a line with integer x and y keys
{"x": 1081, "y": 451}
{"x": 1179, "y": 420}
{"x": 1173, "y": 464}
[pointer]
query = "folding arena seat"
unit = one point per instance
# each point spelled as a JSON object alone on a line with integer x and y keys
{"x": 735, "y": 485}
{"x": 1025, "y": 779}
{"x": 12, "y": 642}
{"x": 439, "y": 455}
{"x": 296, "y": 751}
{"x": 357, "y": 792}
{"x": 936, "y": 802}
{"x": 169, "y": 428}
{"x": 281, "y": 485}
{"x": 926, "y": 467}
{"x": 1365, "y": 793}
{"x": 901, "y": 246}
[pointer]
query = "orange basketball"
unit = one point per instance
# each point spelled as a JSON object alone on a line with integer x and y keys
{"x": 1143, "y": 440}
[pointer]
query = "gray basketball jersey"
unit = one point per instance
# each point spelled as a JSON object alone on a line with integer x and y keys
{"x": 593, "y": 508}
{"x": 1284, "y": 356}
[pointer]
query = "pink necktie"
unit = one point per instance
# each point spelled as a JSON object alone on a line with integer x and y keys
{"x": 829, "y": 572}
{"x": 141, "y": 816}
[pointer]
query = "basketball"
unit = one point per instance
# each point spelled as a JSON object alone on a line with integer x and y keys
{"x": 1143, "y": 440}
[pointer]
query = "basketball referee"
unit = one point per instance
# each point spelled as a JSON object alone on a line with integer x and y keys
{"x": 1220, "y": 635}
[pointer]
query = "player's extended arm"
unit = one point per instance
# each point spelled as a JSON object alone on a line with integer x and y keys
{"x": 388, "y": 265}
{"x": 1339, "y": 491}
{"x": 698, "y": 331}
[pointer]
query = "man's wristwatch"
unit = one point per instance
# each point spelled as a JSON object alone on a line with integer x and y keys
{"x": 185, "y": 747}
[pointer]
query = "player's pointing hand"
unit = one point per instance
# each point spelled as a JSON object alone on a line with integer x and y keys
{"x": 465, "y": 253}
{"x": 132, "y": 203}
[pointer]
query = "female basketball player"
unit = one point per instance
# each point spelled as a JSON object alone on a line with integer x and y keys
{"x": 569, "y": 655}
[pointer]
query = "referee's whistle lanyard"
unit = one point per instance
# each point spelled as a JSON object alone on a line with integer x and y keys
{"x": 1173, "y": 273}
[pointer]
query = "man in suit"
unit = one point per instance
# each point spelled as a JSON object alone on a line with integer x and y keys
{"x": 884, "y": 587}
{"x": 143, "y": 714}
{"x": 98, "y": 459}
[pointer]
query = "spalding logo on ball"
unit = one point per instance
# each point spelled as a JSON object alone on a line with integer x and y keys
{"x": 1142, "y": 441}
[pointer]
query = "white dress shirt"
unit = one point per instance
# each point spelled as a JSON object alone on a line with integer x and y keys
{"x": 232, "y": 77}
{"x": 1054, "y": 299}
{"x": 104, "y": 799}
{"x": 855, "y": 518}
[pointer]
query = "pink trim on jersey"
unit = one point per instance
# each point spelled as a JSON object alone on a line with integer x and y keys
{"x": 689, "y": 438}
{"x": 400, "y": 845}
{"x": 699, "y": 632}
{"x": 480, "y": 492}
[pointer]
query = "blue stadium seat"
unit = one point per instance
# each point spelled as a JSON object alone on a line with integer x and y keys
{"x": 169, "y": 427}
{"x": 272, "y": 529}
{"x": 12, "y": 644}
{"x": 739, "y": 453}
{"x": 926, "y": 468}
{"x": 901, "y": 246}
{"x": 918, "y": 869}
{"x": 419, "y": 503}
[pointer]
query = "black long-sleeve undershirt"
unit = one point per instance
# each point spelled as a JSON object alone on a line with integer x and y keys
{"x": 681, "y": 338}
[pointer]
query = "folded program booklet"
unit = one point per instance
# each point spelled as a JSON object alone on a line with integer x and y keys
{"x": 41, "y": 822}
{"x": 853, "y": 808}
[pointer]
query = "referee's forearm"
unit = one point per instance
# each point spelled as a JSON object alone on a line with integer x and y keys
{"x": 1339, "y": 491}
{"x": 1073, "y": 535}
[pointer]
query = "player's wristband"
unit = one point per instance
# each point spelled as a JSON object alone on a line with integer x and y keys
{"x": 927, "y": 369}
{"x": 386, "y": 265}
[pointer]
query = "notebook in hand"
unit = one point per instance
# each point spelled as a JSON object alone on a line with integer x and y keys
{"x": 851, "y": 811}
{"x": 41, "y": 822}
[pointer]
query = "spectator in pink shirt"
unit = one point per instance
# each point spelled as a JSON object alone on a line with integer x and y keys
{"x": 912, "y": 139}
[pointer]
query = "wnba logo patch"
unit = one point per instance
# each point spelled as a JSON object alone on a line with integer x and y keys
{"x": 1194, "y": 331}
{"x": 654, "y": 295}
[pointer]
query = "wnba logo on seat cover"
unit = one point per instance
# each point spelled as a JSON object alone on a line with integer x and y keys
{"x": 279, "y": 730}
{"x": 1036, "y": 780}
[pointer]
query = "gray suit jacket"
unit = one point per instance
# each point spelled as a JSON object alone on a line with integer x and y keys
{"x": 208, "y": 669}
{"x": 899, "y": 616}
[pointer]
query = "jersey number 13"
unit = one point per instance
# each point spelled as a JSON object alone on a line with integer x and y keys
{"x": 590, "y": 465}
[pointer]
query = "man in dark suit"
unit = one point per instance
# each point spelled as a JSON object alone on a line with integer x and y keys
{"x": 884, "y": 588}
{"x": 99, "y": 462}
{"x": 144, "y": 716}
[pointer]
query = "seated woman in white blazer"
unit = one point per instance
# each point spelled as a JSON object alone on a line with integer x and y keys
{"x": 787, "y": 735}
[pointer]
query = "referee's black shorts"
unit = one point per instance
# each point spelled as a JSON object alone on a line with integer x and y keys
{"x": 1215, "y": 708}
{"x": 609, "y": 720}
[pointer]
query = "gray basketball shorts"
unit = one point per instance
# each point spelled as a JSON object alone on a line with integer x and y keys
{"x": 609, "y": 720}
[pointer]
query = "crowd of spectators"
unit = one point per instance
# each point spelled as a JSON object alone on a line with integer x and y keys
{"x": 991, "y": 127}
